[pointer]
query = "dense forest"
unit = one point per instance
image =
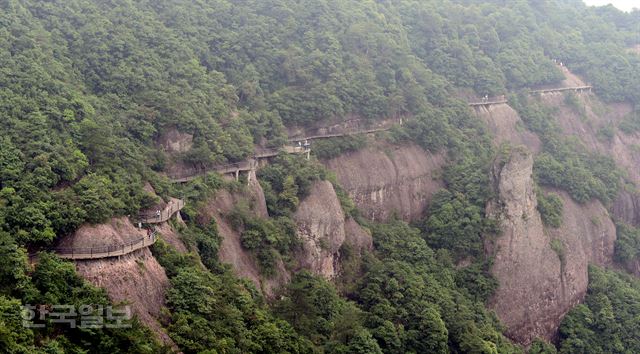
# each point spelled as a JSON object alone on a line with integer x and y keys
{"x": 87, "y": 87}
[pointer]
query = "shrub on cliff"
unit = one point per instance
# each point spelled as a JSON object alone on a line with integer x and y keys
{"x": 550, "y": 207}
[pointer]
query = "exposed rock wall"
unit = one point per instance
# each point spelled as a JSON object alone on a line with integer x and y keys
{"x": 170, "y": 236}
{"x": 622, "y": 147}
{"x": 173, "y": 141}
{"x": 321, "y": 227}
{"x": 539, "y": 285}
{"x": 136, "y": 278}
{"x": 507, "y": 127}
{"x": 584, "y": 121}
{"x": 384, "y": 179}
{"x": 116, "y": 231}
{"x": 626, "y": 207}
{"x": 231, "y": 251}
{"x": 355, "y": 236}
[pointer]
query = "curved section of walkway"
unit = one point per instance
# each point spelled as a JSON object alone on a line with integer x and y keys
{"x": 80, "y": 253}
{"x": 159, "y": 216}
{"x": 262, "y": 153}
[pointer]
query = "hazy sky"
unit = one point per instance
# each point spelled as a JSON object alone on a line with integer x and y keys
{"x": 626, "y": 5}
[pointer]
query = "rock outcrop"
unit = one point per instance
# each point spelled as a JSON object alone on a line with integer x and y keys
{"x": 231, "y": 252}
{"x": 384, "y": 180}
{"x": 626, "y": 207}
{"x": 173, "y": 141}
{"x": 170, "y": 236}
{"x": 136, "y": 278}
{"x": 320, "y": 221}
{"x": 542, "y": 272}
{"x": 117, "y": 231}
{"x": 506, "y": 126}
{"x": 355, "y": 236}
{"x": 322, "y": 227}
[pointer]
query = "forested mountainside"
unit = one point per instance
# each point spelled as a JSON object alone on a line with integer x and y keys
{"x": 93, "y": 94}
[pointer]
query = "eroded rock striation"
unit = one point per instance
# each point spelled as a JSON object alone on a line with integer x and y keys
{"x": 135, "y": 278}
{"x": 384, "y": 180}
{"x": 542, "y": 272}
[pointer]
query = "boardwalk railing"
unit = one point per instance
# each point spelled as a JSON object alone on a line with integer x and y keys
{"x": 193, "y": 173}
{"x": 153, "y": 217}
{"x": 106, "y": 251}
{"x": 501, "y": 100}
{"x": 242, "y": 166}
{"x": 325, "y": 133}
{"x": 562, "y": 89}
{"x": 487, "y": 101}
{"x": 346, "y": 133}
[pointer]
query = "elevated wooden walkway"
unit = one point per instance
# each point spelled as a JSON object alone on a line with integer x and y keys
{"x": 194, "y": 173}
{"x": 563, "y": 89}
{"x": 156, "y": 217}
{"x": 263, "y": 153}
{"x": 487, "y": 103}
{"x": 336, "y": 135}
{"x": 237, "y": 167}
{"x": 80, "y": 253}
{"x": 98, "y": 252}
{"x": 503, "y": 100}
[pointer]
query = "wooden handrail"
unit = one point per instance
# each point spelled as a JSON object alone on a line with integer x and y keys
{"x": 560, "y": 89}
{"x": 241, "y": 166}
{"x": 487, "y": 103}
{"x": 98, "y": 252}
{"x": 166, "y": 214}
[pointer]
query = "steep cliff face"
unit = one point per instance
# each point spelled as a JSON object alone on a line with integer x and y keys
{"x": 384, "y": 179}
{"x": 506, "y": 126}
{"x": 170, "y": 236}
{"x": 136, "y": 278}
{"x": 323, "y": 229}
{"x": 585, "y": 118}
{"x": 320, "y": 221}
{"x": 542, "y": 272}
{"x": 244, "y": 264}
{"x": 116, "y": 231}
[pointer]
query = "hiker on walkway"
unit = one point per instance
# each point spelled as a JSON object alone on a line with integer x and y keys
{"x": 158, "y": 214}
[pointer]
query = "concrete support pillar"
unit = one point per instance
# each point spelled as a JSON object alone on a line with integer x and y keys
{"x": 237, "y": 175}
{"x": 251, "y": 175}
